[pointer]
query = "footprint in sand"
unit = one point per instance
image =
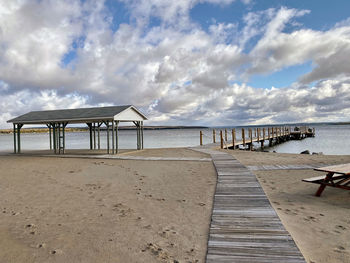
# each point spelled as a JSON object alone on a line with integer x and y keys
{"x": 55, "y": 252}
{"x": 42, "y": 245}
{"x": 156, "y": 250}
{"x": 340, "y": 227}
{"x": 340, "y": 249}
{"x": 122, "y": 210}
{"x": 310, "y": 218}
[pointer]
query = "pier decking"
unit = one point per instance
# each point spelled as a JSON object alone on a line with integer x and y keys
{"x": 244, "y": 226}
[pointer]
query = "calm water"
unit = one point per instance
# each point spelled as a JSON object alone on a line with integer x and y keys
{"x": 330, "y": 139}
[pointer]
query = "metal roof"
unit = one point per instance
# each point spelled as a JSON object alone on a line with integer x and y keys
{"x": 73, "y": 115}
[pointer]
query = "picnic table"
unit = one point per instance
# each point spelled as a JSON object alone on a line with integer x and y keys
{"x": 337, "y": 176}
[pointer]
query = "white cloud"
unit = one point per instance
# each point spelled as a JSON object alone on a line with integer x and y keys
{"x": 176, "y": 72}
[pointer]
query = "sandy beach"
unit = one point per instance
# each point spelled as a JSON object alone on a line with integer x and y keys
{"x": 99, "y": 210}
{"x": 320, "y": 226}
{"x": 86, "y": 210}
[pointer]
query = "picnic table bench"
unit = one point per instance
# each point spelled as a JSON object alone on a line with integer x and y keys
{"x": 337, "y": 176}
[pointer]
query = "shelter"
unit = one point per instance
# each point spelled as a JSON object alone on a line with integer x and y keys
{"x": 57, "y": 120}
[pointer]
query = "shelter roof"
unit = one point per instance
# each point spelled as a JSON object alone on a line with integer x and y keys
{"x": 122, "y": 113}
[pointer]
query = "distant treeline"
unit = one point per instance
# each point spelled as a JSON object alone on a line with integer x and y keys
{"x": 85, "y": 129}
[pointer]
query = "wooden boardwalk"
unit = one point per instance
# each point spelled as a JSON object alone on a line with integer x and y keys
{"x": 244, "y": 226}
{"x": 283, "y": 167}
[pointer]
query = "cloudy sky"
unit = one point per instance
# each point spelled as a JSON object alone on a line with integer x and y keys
{"x": 184, "y": 62}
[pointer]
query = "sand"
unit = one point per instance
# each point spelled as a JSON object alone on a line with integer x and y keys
{"x": 88, "y": 210}
{"x": 93, "y": 210}
{"x": 320, "y": 226}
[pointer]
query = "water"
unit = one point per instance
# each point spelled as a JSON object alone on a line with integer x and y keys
{"x": 329, "y": 139}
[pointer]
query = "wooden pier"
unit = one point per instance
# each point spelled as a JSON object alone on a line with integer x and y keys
{"x": 260, "y": 136}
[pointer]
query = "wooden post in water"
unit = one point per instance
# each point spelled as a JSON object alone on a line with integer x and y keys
{"x": 263, "y": 139}
{"x": 221, "y": 140}
{"x": 200, "y": 138}
{"x": 258, "y": 133}
{"x": 270, "y": 137}
{"x": 233, "y": 138}
{"x": 263, "y": 133}
{"x": 243, "y": 137}
{"x": 225, "y": 135}
{"x": 255, "y": 132}
{"x": 251, "y": 139}
{"x": 214, "y": 135}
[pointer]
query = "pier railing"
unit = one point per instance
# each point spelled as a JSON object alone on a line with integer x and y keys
{"x": 273, "y": 135}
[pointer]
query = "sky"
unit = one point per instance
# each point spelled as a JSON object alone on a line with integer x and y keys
{"x": 184, "y": 62}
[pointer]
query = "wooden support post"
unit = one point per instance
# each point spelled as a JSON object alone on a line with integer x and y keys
{"x": 268, "y": 133}
{"x": 214, "y": 137}
{"x": 258, "y": 132}
{"x": 19, "y": 126}
{"x": 142, "y": 134}
{"x": 59, "y": 138}
{"x": 254, "y": 132}
{"x": 233, "y": 138}
{"x": 90, "y": 130}
{"x": 113, "y": 138}
{"x": 50, "y": 134}
{"x": 138, "y": 135}
{"x": 221, "y": 140}
{"x": 49, "y": 127}
{"x": 116, "y": 137}
{"x": 139, "y": 128}
{"x": 64, "y": 136}
{"x": 53, "y": 125}
{"x": 226, "y": 135}
{"x": 200, "y": 138}
{"x": 94, "y": 130}
{"x": 98, "y": 136}
{"x": 14, "y": 139}
{"x": 243, "y": 137}
{"x": 107, "y": 125}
